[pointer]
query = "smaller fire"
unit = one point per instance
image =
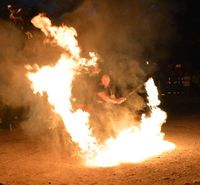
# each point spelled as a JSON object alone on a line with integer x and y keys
{"x": 137, "y": 143}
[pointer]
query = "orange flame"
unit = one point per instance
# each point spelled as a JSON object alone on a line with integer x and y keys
{"x": 131, "y": 145}
{"x": 137, "y": 143}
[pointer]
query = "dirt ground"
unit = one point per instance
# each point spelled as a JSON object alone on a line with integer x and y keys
{"x": 24, "y": 161}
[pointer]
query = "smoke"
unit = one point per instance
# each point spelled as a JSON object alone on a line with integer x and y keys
{"x": 15, "y": 92}
{"x": 16, "y": 52}
{"x": 125, "y": 34}
{"x": 138, "y": 29}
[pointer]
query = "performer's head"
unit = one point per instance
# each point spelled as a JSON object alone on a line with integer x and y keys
{"x": 105, "y": 80}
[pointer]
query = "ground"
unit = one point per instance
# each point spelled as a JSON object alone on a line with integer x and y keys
{"x": 24, "y": 161}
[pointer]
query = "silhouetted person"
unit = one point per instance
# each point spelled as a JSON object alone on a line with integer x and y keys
{"x": 106, "y": 93}
{"x": 186, "y": 82}
{"x": 105, "y": 109}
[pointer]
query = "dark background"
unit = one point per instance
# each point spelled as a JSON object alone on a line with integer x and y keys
{"x": 184, "y": 17}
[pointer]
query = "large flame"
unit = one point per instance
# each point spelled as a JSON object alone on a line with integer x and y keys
{"x": 131, "y": 145}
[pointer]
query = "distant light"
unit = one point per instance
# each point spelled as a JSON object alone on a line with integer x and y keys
{"x": 178, "y": 66}
{"x": 147, "y": 62}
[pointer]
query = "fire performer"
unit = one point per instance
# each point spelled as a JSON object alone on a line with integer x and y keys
{"x": 106, "y": 93}
{"x": 105, "y": 109}
{"x": 105, "y": 97}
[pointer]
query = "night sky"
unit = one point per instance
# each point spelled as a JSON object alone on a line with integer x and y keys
{"x": 184, "y": 17}
{"x": 188, "y": 46}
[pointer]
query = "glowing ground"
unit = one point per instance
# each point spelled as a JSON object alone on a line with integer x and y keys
{"x": 34, "y": 162}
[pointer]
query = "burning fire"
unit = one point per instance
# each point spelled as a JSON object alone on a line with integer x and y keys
{"x": 131, "y": 145}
